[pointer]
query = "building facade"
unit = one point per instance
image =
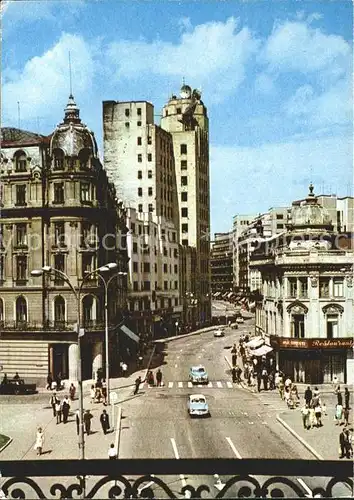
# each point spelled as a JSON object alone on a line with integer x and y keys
{"x": 222, "y": 264}
{"x": 307, "y": 307}
{"x": 58, "y": 210}
{"x": 185, "y": 118}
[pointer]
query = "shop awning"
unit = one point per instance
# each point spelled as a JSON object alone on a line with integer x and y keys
{"x": 262, "y": 351}
{"x": 255, "y": 342}
{"x": 129, "y": 333}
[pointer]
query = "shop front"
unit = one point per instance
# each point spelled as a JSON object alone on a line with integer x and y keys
{"x": 314, "y": 361}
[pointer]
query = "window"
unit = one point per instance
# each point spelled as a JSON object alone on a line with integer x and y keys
{"x": 135, "y": 267}
{"x": 136, "y": 286}
{"x": 146, "y": 267}
{"x": 338, "y": 289}
{"x": 184, "y": 228}
{"x": 179, "y": 111}
{"x": 138, "y": 111}
{"x": 21, "y": 268}
{"x": 139, "y": 124}
{"x": 303, "y": 287}
{"x": 280, "y": 216}
{"x": 21, "y": 195}
{"x": 58, "y": 192}
{"x": 165, "y": 268}
{"x": 280, "y": 226}
{"x": 149, "y": 174}
{"x": 183, "y": 149}
{"x": 164, "y": 251}
{"x": 292, "y": 287}
{"x": 140, "y": 191}
{"x": 332, "y": 326}
{"x": 89, "y": 310}
{"x": 184, "y": 212}
{"x": 150, "y": 191}
{"x": 59, "y": 234}
{"x": 127, "y": 125}
{"x": 140, "y": 174}
{"x": 176, "y": 285}
{"x": 183, "y": 164}
{"x": 21, "y": 235}
{"x": 165, "y": 285}
{"x": 175, "y": 253}
{"x": 140, "y": 158}
{"x": 298, "y": 326}
{"x": 184, "y": 196}
{"x": 139, "y": 141}
{"x": 135, "y": 247}
{"x": 185, "y": 243}
{"x": 184, "y": 180}
{"x": 149, "y": 157}
{"x": 324, "y": 287}
{"x": 127, "y": 112}
{"x": 58, "y": 159}
{"x": 176, "y": 268}
{"x": 59, "y": 309}
{"x": 21, "y": 310}
{"x": 140, "y": 207}
{"x": 146, "y": 230}
{"x": 85, "y": 193}
{"x": 59, "y": 263}
{"x": 132, "y": 227}
{"x": 149, "y": 139}
{"x": 147, "y": 285}
{"x": 173, "y": 236}
{"x": 20, "y": 162}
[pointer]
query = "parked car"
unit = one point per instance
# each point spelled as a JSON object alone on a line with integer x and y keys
{"x": 17, "y": 386}
{"x": 197, "y": 406}
{"x": 240, "y": 320}
{"x": 198, "y": 375}
{"x": 219, "y": 333}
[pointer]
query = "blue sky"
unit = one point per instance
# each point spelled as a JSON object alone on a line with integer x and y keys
{"x": 276, "y": 77}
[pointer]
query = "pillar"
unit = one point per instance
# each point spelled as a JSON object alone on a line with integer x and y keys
{"x": 51, "y": 363}
{"x": 73, "y": 362}
{"x": 97, "y": 357}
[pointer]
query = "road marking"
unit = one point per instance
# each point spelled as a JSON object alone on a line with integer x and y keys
{"x": 306, "y": 488}
{"x": 170, "y": 384}
{"x": 229, "y": 384}
{"x": 175, "y": 451}
{"x": 180, "y": 384}
{"x": 210, "y": 384}
{"x": 190, "y": 384}
{"x": 200, "y": 385}
{"x": 118, "y": 425}
{"x": 219, "y": 384}
{"x": 232, "y": 446}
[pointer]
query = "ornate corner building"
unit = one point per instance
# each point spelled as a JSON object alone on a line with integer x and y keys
{"x": 307, "y": 308}
{"x": 59, "y": 210}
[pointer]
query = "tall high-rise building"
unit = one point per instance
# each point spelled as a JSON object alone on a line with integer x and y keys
{"x": 185, "y": 118}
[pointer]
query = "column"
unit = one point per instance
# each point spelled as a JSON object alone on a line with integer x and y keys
{"x": 97, "y": 358}
{"x": 51, "y": 363}
{"x": 73, "y": 362}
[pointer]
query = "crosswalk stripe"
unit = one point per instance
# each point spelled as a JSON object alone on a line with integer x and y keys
{"x": 229, "y": 384}
{"x": 219, "y": 384}
{"x": 170, "y": 384}
{"x": 200, "y": 385}
{"x": 180, "y": 384}
{"x": 210, "y": 384}
{"x": 190, "y": 384}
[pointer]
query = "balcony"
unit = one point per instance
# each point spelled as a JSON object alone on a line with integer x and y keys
{"x": 149, "y": 478}
{"x": 55, "y": 326}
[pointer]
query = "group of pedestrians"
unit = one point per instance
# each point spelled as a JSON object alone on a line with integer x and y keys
{"x": 313, "y": 409}
{"x": 60, "y": 408}
{"x": 150, "y": 379}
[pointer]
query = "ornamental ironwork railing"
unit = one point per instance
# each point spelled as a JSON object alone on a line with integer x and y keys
{"x": 191, "y": 478}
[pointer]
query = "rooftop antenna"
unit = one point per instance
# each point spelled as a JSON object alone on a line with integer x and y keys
{"x": 19, "y": 114}
{"x": 71, "y": 83}
{"x": 183, "y": 81}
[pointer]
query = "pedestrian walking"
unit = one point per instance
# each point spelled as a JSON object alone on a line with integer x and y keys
{"x": 308, "y": 395}
{"x": 150, "y": 378}
{"x": 104, "y": 422}
{"x": 294, "y": 395}
{"x": 49, "y": 381}
{"x": 92, "y": 394}
{"x": 339, "y": 396}
{"x": 65, "y": 407}
{"x": 346, "y": 416}
{"x": 238, "y": 374}
{"x": 312, "y": 418}
{"x": 271, "y": 381}
{"x": 346, "y": 398}
{"x": 58, "y": 411}
{"x": 53, "y": 401}
{"x": 112, "y": 452}
{"x": 318, "y": 415}
{"x": 259, "y": 381}
{"x": 234, "y": 359}
{"x": 159, "y": 378}
{"x": 344, "y": 444}
{"x": 137, "y": 385}
{"x": 87, "y": 421}
{"x": 58, "y": 381}
{"x": 305, "y": 412}
{"x": 124, "y": 369}
{"x": 234, "y": 376}
{"x": 281, "y": 387}
{"x": 288, "y": 383}
{"x": 338, "y": 414}
{"x": 72, "y": 391}
{"x": 77, "y": 420}
{"x": 104, "y": 392}
{"x": 38, "y": 446}
{"x": 265, "y": 379}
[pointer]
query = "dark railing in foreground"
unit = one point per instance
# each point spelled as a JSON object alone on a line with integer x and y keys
{"x": 113, "y": 478}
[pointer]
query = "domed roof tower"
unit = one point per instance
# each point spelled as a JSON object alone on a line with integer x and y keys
{"x": 310, "y": 215}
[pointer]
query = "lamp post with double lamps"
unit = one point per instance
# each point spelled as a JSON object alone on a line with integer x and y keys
{"x": 52, "y": 271}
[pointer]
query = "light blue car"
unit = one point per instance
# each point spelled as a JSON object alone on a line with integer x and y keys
{"x": 197, "y": 406}
{"x": 198, "y": 375}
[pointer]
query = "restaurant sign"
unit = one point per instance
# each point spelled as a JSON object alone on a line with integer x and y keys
{"x": 341, "y": 343}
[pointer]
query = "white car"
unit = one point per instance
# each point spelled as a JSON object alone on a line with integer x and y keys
{"x": 240, "y": 320}
{"x": 219, "y": 333}
{"x": 197, "y": 406}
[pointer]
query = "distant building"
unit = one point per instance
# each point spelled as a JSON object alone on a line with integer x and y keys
{"x": 222, "y": 265}
{"x": 57, "y": 208}
{"x": 307, "y": 307}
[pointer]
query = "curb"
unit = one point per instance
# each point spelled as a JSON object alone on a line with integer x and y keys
{"x": 6, "y": 444}
{"x": 176, "y": 337}
{"x": 299, "y": 438}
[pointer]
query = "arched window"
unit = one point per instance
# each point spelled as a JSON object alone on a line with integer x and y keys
{"x": 59, "y": 309}
{"x": 20, "y": 161}
{"x": 84, "y": 156}
{"x": 58, "y": 159}
{"x": 21, "y": 310}
{"x": 89, "y": 310}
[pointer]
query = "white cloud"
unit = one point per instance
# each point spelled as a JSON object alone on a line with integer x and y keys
{"x": 214, "y": 54}
{"x": 296, "y": 46}
{"x": 252, "y": 178}
{"x": 41, "y": 10}
{"x": 42, "y": 87}
{"x": 264, "y": 83}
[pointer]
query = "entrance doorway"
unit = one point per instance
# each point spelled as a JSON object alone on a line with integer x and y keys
{"x": 59, "y": 362}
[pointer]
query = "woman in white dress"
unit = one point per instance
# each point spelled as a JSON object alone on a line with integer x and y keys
{"x": 39, "y": 441}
